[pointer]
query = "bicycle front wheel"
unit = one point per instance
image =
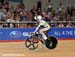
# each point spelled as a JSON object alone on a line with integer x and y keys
{"x": 31, "y": 43}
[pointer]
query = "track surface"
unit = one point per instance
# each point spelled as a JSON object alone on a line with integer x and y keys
{"x": 65, "y": 48}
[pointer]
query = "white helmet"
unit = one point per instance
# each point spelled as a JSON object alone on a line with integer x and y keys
{"x": 39, "y": 17}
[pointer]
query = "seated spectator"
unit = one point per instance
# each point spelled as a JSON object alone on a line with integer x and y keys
{"x": 60, "y": 8}
{"x": 69, "y": 24}
{"x": 68, "y": 17}
{"x": 6, "y": 4}
{"x": 33, "y": 12}
{"x": 49, "y": 7}
{"x": 61, "y": 25}
{"x": 1, "y": 13}
{"x": 23, "y": 16}
{"x": 68, "y": 11}
{"x": 46, "y": 16}
{"x": 1, "y": 25}
{"x": 21, "y": 6}
{"x": 0, "y": 5}
{"x": 72, "y": 10}
{"x": 17, "y": 19}
{"x": 10, "y": 19}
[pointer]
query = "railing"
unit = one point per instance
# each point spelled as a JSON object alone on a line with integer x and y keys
{"x": 32, "y": 24}
{"x": 36, "y": 22}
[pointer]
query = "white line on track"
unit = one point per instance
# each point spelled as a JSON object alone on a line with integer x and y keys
{"x": 13, "y": 55}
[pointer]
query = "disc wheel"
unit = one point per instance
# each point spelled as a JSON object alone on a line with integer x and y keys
{"x": 51, "y": 42}
{"x": 31, "y": 43}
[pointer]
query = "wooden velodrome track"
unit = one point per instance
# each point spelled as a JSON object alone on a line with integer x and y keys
{"x": 65, "y": 48}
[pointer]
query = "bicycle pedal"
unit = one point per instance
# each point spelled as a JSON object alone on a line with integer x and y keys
{"x": 43, "y": 42}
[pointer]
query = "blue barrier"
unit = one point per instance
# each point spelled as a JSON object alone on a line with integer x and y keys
{"x": 21, "y": 33}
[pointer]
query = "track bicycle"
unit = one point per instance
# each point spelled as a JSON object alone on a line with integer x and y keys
{"x": 33, "y": 40}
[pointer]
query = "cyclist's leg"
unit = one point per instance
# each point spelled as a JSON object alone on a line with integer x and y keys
{"x": 42, "y": 31}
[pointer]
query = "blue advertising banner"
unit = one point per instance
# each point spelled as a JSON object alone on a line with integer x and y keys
{"x": 15, "y": 33}
{"x": 21, "y": 33}
{"x": 62, "y": 32}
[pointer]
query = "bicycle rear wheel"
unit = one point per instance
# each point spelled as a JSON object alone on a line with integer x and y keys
{"x": 51, "y": 42}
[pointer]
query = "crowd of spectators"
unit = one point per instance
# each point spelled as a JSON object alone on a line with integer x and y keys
{"x": 63, "y": 17}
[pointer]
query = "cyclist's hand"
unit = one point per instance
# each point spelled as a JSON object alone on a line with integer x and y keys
{"x": 32, "y": 34}
{"x": 29, "y": 35}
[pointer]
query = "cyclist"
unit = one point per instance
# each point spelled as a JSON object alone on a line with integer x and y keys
{"x": 43, "y": 23}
